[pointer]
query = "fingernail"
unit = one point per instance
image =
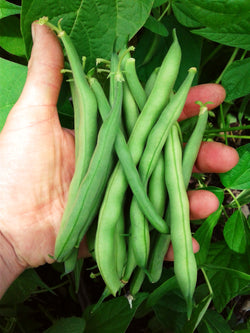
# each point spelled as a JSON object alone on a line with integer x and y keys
{"x": 33, "y": 30}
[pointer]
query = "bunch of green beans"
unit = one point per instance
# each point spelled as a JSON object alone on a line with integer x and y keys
{"x": 128, "y": 193}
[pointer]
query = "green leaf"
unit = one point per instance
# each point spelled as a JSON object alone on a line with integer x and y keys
{"x": 7, "y": 9}
{"x": 226, "y": 22}
{"x": 12, "y": 79}
{"x": 67, "y": 325}
{"x": 242, "y": 199}
{"x": 227, "y": 272}
{"x": 20, "y": 290}
{"x": 93, "y": 25}
{"x": 234, "y": 232}
{"x": 156, "y": 26}
{"x": 209, "y": 13}
{"x": 11, "y": 39}
{"x": 191, "y": 46}
{"x": 236, "y": 79}
{"x": 235, "y": 35}
{"x": 199, "y": 311}
{"x": 171, "y": 312}
{"x": 204, "y": 234}
{"x": 158, "y": 3}
{"x": 239, "y": 177}
{"x": 214, "y": 323}
{"x": 112, "y": 316}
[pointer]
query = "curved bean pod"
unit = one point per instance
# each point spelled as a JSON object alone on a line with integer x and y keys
{"x": 134, "y": 83}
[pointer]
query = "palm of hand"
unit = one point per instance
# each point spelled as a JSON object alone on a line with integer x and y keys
{"x": 37, "y": 164}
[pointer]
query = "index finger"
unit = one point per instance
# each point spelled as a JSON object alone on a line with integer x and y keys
{"x": 208, "y": 92}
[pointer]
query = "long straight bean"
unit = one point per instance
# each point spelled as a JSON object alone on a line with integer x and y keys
{"x": 184, "y": 260}
{"x": 93, "y": 184}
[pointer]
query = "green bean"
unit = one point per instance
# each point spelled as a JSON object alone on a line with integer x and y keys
{"x": 134, "y": 83}
{"x": 184, "y": 260}
{"x": 160, "y": 242}
{"x": 150, "y": 156}
{"x": 128, "y": 165}
{"x": 113, "y": 200}
{"x": 130, "y": 264}
{"x": 157, "y": 188}
{"x": 193, "y": 145}
{"x": 151, "y": 81}
{"x": 136, "y": 281}
{"x": 160, "y": 131}
{"x": 93, "y": 184}
{"x": 120, "y": 246}
{"x": 139, "y": 238}
{"x": 130, "y": 109}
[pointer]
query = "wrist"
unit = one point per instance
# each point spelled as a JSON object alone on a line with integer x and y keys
{"x": 10, "y": 267}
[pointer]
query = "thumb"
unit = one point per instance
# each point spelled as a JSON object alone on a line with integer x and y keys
{"x": 44, "y": 78}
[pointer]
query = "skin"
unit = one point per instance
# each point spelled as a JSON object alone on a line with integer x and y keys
{"x": 37, "y": 163}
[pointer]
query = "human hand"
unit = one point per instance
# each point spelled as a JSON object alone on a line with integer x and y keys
{"x": 37, "y": 158}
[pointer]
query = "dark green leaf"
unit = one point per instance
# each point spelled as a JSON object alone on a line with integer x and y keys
{"x": 234, "y": 232}
{"x": 226, "y": 22}
{"x": 236, "y": 79}
{"x": 112, "y": 316}
{"x": 7, "y": 9}
{"x": 235, "y": 35}
{"x": 93, "y": 25}
{"x": 214, "y": 323}
{"x": 243, "y": 199}
{"x": 204, "y": 234}
{"x": 171, "y": 312}
{"x": 227, "y": 272}
{"x": 239, "y": 177}
{"x": 158, "y": 3}
{"x": 214, "y": 14}
{"x": 27, "y": 283}
{"x": 199, "y": 311}
{"x": 11, "y": 39}
{"x": 12, "y": 79}
{"x": 67, "y": 325}
{"x": 156, "y": 26}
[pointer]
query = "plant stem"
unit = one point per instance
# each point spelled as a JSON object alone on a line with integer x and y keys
{"x": 228, "y": 64}
{"x": 227, "y": 129}
{"x": 223, "y": 123}
{"x": 164, "y": 12}
{"x": 234, "y": 197}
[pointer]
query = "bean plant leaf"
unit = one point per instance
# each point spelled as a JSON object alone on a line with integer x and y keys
{"x": 12, "y": 79}
{"x": 7, "y": 9}
{"x": 158, "y": 3}
{"x": 197, "y": 315}
{"x": 214, "y": 322}
{"x": 93, "y": 25}
{"x": 225, "y": 21}
{"x": 236, "y": 79}
{"x": 156, "y": 26}
{"x": 11, "y": 39}
{"x": 228, "y": 274}
{"x": 20, "y": 290}
{"x": 204, "y": 234}
{"x": 242, "y": 199}
{"x": 239, "y": 177}
{"x": 234, "y": 232}
{"x": 67, "y": 325}
{"x": 112, "y": 316}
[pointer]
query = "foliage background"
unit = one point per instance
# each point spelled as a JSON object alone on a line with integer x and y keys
{"x": 215, "y": 37}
